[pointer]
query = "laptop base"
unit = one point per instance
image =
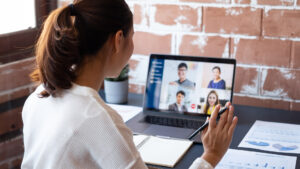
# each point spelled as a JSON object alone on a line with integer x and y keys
{"x": 138, "y": 125}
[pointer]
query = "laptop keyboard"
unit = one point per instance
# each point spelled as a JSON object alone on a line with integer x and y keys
{"x": 166, "y": 121}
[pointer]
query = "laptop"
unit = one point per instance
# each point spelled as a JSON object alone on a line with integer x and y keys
{"x": 180, "y": 92}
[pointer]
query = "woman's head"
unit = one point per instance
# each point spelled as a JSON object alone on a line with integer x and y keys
{"x": 211, "y": 100}
{"x": 216, "y": 71}
{"x": 76, "y": 33}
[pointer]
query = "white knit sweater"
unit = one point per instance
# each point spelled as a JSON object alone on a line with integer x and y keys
{"x": 77, "y": 130}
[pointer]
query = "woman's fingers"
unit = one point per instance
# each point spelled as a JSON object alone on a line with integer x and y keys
{"x": 213, "y": 118}
{"x": 230, "y": 117}
{"x": 232, "y": 126}
{"x": 223, "y": 118}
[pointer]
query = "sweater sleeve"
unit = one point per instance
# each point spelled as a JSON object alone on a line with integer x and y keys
{"x": 105, "y": 144}
{"x": 200, "y": 163}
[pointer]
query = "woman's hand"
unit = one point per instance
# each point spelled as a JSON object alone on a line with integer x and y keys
{"x": 217, "y": 137}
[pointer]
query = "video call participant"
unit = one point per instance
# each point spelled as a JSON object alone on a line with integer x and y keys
{"x": 212, "y": 101}
{"x": 78, "y": 47}
{"x": 217, "y": 82}
{"x": 183, "y": 81}
{"x": 178, "y": 107}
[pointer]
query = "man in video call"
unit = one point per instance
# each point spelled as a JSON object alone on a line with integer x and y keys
{"x": 183, "y": 81}
{"x": 178, "y": 106}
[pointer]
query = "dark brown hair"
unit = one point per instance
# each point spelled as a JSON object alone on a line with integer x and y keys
{"x": 73, "y": 32}
{"x": 216, "y": 67}
{"x": 207, "y": 104}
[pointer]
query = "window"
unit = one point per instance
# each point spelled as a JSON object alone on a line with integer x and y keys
{"x": 20, "y": 24}
{"x": 17, "y": 17}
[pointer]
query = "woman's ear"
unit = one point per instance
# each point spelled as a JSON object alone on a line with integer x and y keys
{"x": 118, "y": 40}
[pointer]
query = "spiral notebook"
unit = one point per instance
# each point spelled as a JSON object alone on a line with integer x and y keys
{"x": 161, "y": 151}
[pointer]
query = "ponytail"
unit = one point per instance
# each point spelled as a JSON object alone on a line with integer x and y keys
{"x": 71, "y": 33}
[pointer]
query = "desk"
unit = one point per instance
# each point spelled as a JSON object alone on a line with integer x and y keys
{"x": 247, "y": 116}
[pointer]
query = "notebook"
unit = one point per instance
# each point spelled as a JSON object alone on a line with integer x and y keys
{"x": 179, "y": 89}
{"x": 161, "y": 151}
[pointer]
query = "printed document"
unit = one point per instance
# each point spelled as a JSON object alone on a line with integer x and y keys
{"x": 240, "y": 159}
{"x": 272, "y": 136}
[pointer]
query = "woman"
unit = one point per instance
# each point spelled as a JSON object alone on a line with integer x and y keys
{"x": 66, "y": 123}
{"x": 217, "y": 82}
{"x": 212, "y": 101}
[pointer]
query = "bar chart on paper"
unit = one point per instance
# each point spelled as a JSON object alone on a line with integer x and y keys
{"x": 240, "y": 159}
{"x": 271, "y": 136}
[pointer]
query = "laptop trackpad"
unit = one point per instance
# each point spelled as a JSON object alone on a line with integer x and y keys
{"x": 175, "y": 132}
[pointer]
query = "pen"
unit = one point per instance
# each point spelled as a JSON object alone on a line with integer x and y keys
{"x": 206, "y": 124}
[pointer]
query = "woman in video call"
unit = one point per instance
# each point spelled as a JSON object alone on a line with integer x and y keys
{"x": 217, "y": 82}
{"x": 212, "y": 101}
{"x": 66, "y": 123}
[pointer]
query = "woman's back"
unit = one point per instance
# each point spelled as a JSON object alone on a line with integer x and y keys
{"x": 75, "y": 130}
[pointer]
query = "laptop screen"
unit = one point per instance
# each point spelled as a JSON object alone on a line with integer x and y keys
{"x": 188, "y": 85}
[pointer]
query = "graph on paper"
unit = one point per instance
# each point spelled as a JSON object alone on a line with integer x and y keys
{"x": 271, "y": 136}
{"x": 240, "y": 159}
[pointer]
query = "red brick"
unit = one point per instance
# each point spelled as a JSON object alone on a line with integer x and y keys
{"x": 295, "y": 61}
{"x": 275, "y": 2}
{"x": 138, "y": 15}
{"x": 246, "y": 80}
{"x": 281, "y": 83}
{"x": 295, "y": 106}
{"x": 213, "y": 46}
{"x": 296, "y": 84}
{"x": 11, "y": 148}
{"x": 242, "y": 1}
{"x": 232, "y": 20}
{"x": 268, "y": 103}
{"x": 11, "y": 120}
{"x": 266, "y": 2}
{"x": 298, "y": 2}
{"x": 133, "y": 64}
{"x": 184, "y": 17}
{"x": 208, "y": 1}
{"x": 271, "y": 52}
{"x": 281, "y": 23}
{"x": 146, "y": 43}
{"x": 15, "y": 74}
{"x": 138, "y": 70}
{"x": 139, "y": 89}
{"x": 4, "y": 166}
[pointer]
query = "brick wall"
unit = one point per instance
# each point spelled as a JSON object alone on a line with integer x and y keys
{"x": 262, "y": 35}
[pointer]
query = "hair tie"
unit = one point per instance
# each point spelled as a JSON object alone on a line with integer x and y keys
{"x": 72, "y": 9}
